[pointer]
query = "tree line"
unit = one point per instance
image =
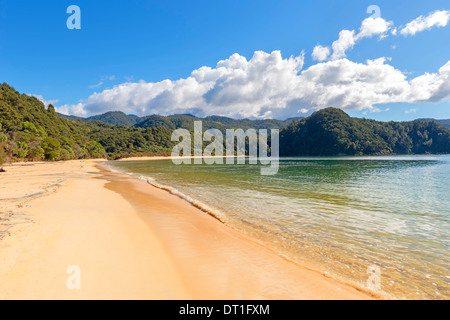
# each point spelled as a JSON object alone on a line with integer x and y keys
{"x": 31, "y": 132}
{"x": 331, "y": 131}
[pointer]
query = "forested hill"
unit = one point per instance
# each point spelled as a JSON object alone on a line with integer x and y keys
{"x": 183, "y": 121}
{"x": 29, "y": 131}
{"x": 332, "y": 132}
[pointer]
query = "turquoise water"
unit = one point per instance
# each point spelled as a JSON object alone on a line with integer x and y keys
{"x": 339, "y": 215}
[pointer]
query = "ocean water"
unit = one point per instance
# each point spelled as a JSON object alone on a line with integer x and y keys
{"x": 381, "y": 222}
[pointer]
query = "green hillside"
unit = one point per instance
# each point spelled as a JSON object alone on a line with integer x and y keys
{"x": 29, "y": 131}
{"x": 332, "y": 132}
{"x": 116, "y": 117}
{"x": 183, "y": 121}
{"x": 112, "y": 117}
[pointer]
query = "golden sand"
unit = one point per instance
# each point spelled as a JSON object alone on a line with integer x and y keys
{"x": 131, "y": 241}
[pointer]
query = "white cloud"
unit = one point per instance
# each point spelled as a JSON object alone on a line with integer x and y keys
{"x": 320, "y": 53}
{"x": 76, "y": 110}
{"x": 345, "y": 42}
{"x": 434, "y": 19}
{"x": 413, "y": 110}
{"x": 373, "y": 27}
{"x": 235, "y": 87}
{"x": 431, "y": 87}
{"x": 347, "y": 39}
{"x": 269, "y": 85}
{"x": 351, "y": 85}
{"x": 303, "y": 110}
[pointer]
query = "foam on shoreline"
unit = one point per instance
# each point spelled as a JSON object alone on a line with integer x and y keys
{"x": 217, "y": 214}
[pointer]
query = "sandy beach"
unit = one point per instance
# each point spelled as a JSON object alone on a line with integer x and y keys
{"x": 130, "y": 240}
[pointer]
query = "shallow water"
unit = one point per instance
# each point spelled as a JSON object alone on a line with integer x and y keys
{"x": 346, "y": 216}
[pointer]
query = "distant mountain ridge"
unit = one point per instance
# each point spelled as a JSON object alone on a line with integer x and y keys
{"x": 111, "y": 117}
{"x": 186, "y": 120}
{"x": 183, "y": 121}
{"x": 443, "y": 122}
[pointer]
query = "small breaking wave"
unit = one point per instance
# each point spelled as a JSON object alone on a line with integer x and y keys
{"x": 198, "y": 204}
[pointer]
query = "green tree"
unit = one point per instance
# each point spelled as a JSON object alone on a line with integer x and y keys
{"x": 52, "y": 149}
{"x": 51, "y": 109}
{"x": 2, "y": 156}
{"x": 3, "y": 137}
{"x": 67, "y": 153}
{"x": 22, "y": 149}
{"x": 37, "y": 153}
{"x": 29, "y": 127}
{"x": 95, "y": 149}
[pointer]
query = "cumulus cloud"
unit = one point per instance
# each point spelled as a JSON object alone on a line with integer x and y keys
{"x": 352, "y": 85}
{"x": 76, "y": 110}
{"x": 431, "y": 87}
{"x": 345, "y": 42}
{"x": 374, "y": 27}
{"x": 434, "y": 19}
{"x": 347, "y": 39}
{"x": 320, "y": 53}
{"x": 235, "y": 87}
{"x": 270, "y": 86}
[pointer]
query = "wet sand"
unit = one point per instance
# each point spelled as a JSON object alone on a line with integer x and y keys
{"x": 132, "y": 241}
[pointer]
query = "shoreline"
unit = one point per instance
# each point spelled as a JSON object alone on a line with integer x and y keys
{"x": 150, "y": 158}
{"x": 134, "y": 241}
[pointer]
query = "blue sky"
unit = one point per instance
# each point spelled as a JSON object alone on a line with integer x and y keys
{"x": 126, "y": 49}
